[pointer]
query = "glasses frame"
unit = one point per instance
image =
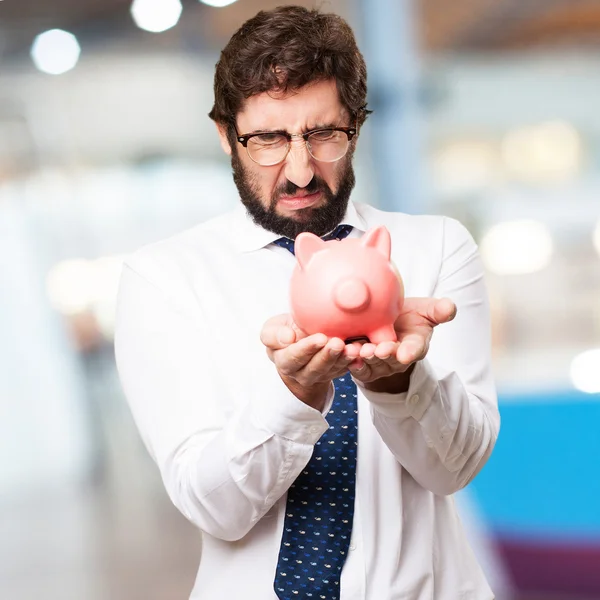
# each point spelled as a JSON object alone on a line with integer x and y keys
{"x": 245, "y": 138}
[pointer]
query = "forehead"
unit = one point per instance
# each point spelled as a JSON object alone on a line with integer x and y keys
{"x": 314, "y": 104}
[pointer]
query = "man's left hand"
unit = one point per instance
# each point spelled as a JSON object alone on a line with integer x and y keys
{"x": 387, "y": 366}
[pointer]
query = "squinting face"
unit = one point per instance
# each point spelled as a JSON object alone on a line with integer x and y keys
{"x": 300, "y": 193}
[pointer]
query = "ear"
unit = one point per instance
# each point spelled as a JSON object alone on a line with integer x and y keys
{"x": 222, "y": 131}
{"x": 378, "y": 238}
{"x": 305, "y": 246}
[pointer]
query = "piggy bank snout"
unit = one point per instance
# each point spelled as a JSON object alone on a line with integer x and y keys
{"x": 351, "y": 294}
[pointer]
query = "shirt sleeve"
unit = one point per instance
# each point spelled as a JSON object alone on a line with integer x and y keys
{"x": 223, "y": 468}
{"x": 443, "y": 429}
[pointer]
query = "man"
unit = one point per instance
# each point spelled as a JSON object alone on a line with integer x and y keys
{"x": 314, "y": 468}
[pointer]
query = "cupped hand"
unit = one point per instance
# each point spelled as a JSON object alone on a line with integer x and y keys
{"x": 392, "y": 362}
{"x": 306, "y": 364}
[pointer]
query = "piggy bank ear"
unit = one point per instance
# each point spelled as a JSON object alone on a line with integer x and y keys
{"x": 378, "y": 238}
{"x": 306, "y": 245}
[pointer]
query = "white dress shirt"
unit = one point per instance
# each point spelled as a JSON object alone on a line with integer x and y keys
{"x": 229, "y": 438}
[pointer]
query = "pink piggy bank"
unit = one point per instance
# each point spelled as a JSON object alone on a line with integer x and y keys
{"x": 347, "y": 289}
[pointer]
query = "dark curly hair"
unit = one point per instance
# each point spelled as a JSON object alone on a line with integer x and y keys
{"x": 284, "y": 49}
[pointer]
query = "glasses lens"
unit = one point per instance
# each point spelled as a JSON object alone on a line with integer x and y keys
{"x": 267, "y": 148}
{"x": 328, "y": 145}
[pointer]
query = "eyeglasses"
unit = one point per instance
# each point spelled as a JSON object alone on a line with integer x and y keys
{"x": 269, "y": 148}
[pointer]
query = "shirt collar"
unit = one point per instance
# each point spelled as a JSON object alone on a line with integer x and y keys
{"x": 249, "y": 236}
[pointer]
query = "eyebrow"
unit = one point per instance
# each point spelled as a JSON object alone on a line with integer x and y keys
{"x": 314, "y": 128}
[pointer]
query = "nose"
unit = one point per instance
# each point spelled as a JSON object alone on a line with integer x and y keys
{"x": 351, "y": 294}
{"x": 299, "y": 167}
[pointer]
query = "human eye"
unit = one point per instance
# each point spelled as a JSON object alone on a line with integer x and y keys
{"x": 269, "y": 140}
{"x": 324, "y": 135}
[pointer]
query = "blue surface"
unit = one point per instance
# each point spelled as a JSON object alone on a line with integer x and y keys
{"x": 543, "y": 478}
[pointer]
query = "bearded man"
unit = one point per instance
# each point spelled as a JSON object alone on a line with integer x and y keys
{"x": 315, "y": 467}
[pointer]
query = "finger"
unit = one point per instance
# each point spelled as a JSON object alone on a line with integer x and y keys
{"x": 296, "y": 356}
{"x": 386, "y": 349}
{"x": 335, "y": 347}
{"x": 336, "y": 363}
{"x": 352, "y": 351}
{"x": 413, "y": 347}
{"x": 437, "y": 310}
{"x": 367, "y": 351}
{"x": 328, "y": 363}
{"x": 314, "y": 356}
{"x": 357, "y": 363}
{"x": 339, "y": 370}
{"x": 360, "y": 369}
{"x": 350, "y": 354}
{"x": 444, "y": 310}
{"x": 347, "y": 355}
{"x": 278, "y": 332}
{"x": 285, "y": 336}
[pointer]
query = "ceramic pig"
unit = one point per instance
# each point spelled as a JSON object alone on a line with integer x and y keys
{"x": 348, "y": 288}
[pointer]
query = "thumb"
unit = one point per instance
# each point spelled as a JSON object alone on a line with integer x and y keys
{"x": 278, "y": 332}
{"x": 285, "y": 336}
{"x": 444, "y": 310}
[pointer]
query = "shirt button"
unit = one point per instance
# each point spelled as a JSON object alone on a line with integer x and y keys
{"x": 352, "y": 546}
{"x": 414, "y": 399}
{"x": 314, "y": 429}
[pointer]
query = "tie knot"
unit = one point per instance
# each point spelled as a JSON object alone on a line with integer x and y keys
{"x": 339, "y": 233}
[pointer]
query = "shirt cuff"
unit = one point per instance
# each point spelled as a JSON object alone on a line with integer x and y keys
{"x": 412, "y": 403}
{"x": 280, "y": 412}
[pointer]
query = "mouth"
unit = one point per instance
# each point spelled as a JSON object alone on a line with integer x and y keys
{"x": 299, "y": 201}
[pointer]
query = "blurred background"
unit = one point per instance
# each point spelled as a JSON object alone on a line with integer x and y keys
{"x": 485, "y": 110}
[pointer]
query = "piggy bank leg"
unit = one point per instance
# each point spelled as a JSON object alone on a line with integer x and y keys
{"x": 387, "y": 333}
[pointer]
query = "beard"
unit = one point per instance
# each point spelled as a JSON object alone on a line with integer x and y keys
{"x": 319, "y": 220}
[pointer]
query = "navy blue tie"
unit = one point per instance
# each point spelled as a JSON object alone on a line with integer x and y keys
{"x": 320, "y": 503}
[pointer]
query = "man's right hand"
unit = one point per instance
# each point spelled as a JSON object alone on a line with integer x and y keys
{"x": 306, "y": 364}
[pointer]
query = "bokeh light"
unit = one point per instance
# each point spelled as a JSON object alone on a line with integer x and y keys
{"x": 218, "y": 3}
{"x": 585, "y": 371}
{"x": 156, "y": 15}
{"x": 78, "y": 285}
{"x": 517, "y": 247}
{"x": 545, "y": 153}
{"x": 596, "y": 238}
{"x": 55, "y": 52}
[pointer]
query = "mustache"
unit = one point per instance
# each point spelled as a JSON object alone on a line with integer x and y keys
{"x": 316, "y": 184}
